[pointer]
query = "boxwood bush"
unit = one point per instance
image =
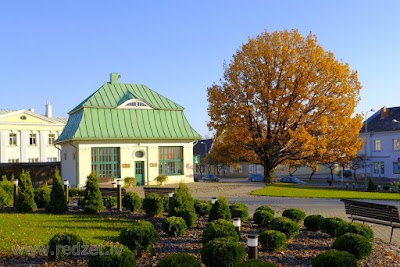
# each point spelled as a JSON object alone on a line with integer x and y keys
{"x": 139, "y": 237}
{"x": 239, "y": 210}
{"x": 312, "y": 222}
{"x": 296, "y": 215}
{"x": 263, "y": 218}
{"x": 131, "y": 201}
{"x": 153, "y": 205}
{"x": 267, "y": 208}
{"x": 286, "y": 226}
{"x": 110, "y": 256}
{"x": 356, "y": 228}
{"x": 58, "y": 241}
{"x": 355, "y": 244}
{"x": 329, "y": 225}
{"x": 273, "y": 241}
{"x": 202, "y": 207}
{"x": 219, "y": 228}
{"x": 179, "y": 260}
{"x": 255, "y": 263}
{"x": 174, "y": 226}
{"x": 223, "y": 251}
{"x": 220, "y": 210}
{"x": 110, "y": 202}
{"x": 334, "y": 258}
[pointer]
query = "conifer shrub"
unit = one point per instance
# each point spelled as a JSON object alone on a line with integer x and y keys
{"x": 111, "y": 256}
{"x": 255, "y": 263}
{"x": 267, "y": 208}
{"x": 42, "y": 196}
{"x": 296, "y": 215}
{"x": 220, "y": 210}
{"x": 286, "y": 226}
{"x": 273, "y": 241}
{"x": 8, "y": 188}
{"x": 4, "y": 198}
{"x": 62, "y": 244}
{"x": 329, "y": 225}
{"x": 139, "y": 237}
{"x": 239, "y": 210}
{"x": 219, "y": 228}
{"x": 153, "y": 205}
{"x": 58, "y": 202}
{"x": 355, "y": 244}
{"x": 223, "y": 251}
{"x": 202, "y": 207}
{"x": 92, "y": 201}
{"x": 179, "y": 260}
{"x": 263, "y": 218}
{"x": 174, "y": 226}
{"x": 182, "y": 205}
{"x": 334, "y": 258}
{"x": 356, "y": 228}
{"x": 312, "y": 222}
{"x": 26, "y": 195}
{"x": 165, "y": 200}
{"x": 131, "y": 201}
{"x": 110, "y": 202}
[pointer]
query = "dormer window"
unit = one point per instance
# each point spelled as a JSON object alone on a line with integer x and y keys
{"x": 135, "y": 104}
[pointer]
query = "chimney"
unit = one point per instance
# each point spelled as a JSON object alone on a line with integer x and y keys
{"x": 49, "y": 110}
{"x": 384, "y": 112}
{"x": 114, "y": 78}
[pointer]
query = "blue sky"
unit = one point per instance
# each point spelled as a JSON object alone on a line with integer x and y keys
{"x": 62, "y": 51}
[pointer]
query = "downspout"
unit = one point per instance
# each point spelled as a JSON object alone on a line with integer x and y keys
{"x": 76, "y": 164}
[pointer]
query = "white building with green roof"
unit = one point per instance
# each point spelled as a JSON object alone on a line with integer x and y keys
{"x": 127, "y": 130}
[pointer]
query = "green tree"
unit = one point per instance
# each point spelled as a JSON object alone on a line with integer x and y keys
{"x": 58, "y": 202}
{"x": 92, "y": 199}
{"x": 284, "y": 99}
{"x": 26, "y": 195}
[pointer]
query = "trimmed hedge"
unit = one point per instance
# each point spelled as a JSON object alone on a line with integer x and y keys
{"x": 222, "y": 252}
{"x": 273, "y": 241}
{"x": 286, "y": 226}
{"x": 267, "y": 208}
{"x": 263, "y": 218}
{"x": 312, "y": 222}
{"x": 219, "y": 228}
{"x": 139, "y": 237}
{"x": 355, "y": 244}
{"x": 329, "y": 225}
{"x": 334, "y": 258}
{"x": 296, "y": 215}
{"x": 239, "y": 210}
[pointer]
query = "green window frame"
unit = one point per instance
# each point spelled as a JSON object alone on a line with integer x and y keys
{"x": 106, "y": 161}
{"x": 170, "y": 160}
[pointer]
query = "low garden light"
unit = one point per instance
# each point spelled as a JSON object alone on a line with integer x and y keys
{"x": 119, "y": 194}
{"x": 15, "y": 192}
{"x": 237, "y": 223}
{"x": 252, "y": 243}
{"x": 213, "y": 200}
{"x": 66, "y": 189}
{"x": 171, "y": 194}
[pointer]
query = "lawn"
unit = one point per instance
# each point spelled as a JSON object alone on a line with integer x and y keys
{"x": 286, "y": 190}
{"x": 18, "y": 229}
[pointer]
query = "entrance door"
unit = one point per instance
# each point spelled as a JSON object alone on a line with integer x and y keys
{"x": 139, "y": 172}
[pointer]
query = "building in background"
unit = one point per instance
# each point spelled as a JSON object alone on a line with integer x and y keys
{"x": 26, "y": 136}
{"x": 127, "y": 130}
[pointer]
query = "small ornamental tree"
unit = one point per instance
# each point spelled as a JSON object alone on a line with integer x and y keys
{"x": 220, "y": 210}
{"x": 58, "y": 202}
{"x": 42, "y": 196}
{"x": 26, "y": 195}
{"x": 182, "y": 205}
{"x": 92, "y": 200}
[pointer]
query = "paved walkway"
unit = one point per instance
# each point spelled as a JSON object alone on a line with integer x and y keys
{"x": 239, "y": 191}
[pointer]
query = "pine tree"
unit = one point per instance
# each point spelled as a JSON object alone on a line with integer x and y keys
{"x": 58, "y": 202}
{"x": 92, "y": 202}
{"x": 26, "y": 195}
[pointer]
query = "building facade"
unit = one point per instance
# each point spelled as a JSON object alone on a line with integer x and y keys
{"x": 127, "y": 130}
{"x": 26, "y": 136}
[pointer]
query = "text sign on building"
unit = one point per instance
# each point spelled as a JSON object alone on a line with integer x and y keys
{"x": 153, "y": 164}
{"x": 126, "y": 165}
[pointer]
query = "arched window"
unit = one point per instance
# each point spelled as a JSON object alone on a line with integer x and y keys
{"x": 135, "y": 104}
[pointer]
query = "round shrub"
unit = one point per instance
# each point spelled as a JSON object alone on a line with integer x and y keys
{"x": 286, "y": 226}
{"x": 165, "y": 200}
{"x": 267, "y": 208}
{"x": 330, "y": 225}
{"x": 62, "y": 244}
{"x": 355, "y": 244}
{"x": 296, "y": 215}
{"x": 273, "y": 241}
{"x": 255, "y": 263}
{"x": 239, "y": 210}
{"x": 139, "y": 237}
{"x": 356, "y": 228}
{"x": 334, "y": 258}
{"x": 131, "y": 201}
{"x": 219, "y": 228}
{"x": 222, "y": 252}
{"x": 153, "y": 205}
{"x": 312, "y": 222}
{"x": 201, "y": 207}
{"x": 189, "y": 216}
{"x": 263, "y": 218}
{"x": 42, "y": 196}
{"x": 73, "y": 192}
{"x": 111, "y": 256}
{"x": 174, "y": 226}
{"x": 110, "y": 202}
{"x": 220, "y": 210}
{"x": 179, "y": 260}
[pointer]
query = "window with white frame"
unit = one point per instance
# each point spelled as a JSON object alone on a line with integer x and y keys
{"x": 377, "y": 145}
{"x": 32, "y": 139}
{"x": 13, "y": 139}
{"x": 52, "y": 138}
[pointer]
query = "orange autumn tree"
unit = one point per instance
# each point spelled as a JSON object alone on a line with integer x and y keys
{"x": 283, "y": 99}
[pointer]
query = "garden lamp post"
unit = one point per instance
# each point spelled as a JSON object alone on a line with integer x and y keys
{"x": 366, "y": 145}
{"x": 236, "y": 222}
{"x": 15, "y": 192}
{"x": 252, "y": 243}
{"x": 66, "y": 189}
{"x": 119, "y": 195}
{"x": 213, "y": 200}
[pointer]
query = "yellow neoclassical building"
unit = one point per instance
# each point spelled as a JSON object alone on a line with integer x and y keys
{"x": 26, "y": 136}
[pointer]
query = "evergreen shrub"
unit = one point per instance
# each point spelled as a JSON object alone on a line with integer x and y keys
{"x": 174, "y": 226}
{"x": 356, "y": 228}
{"x": 131, "y": 201}
{"x": 58, "y": 202}
{"x": 219, "y": 228}
{"x": 4, "y": 198}
{"x": 255, "y": 263}
{"x": 110, "y": 202}
{"x": 273, "y": 241}
{"x": 42, "y": 196}
{"x": 239, "y": 210}
{"x": 312, "y": 222}
{"x": 139, "y": 237}
{"x": 71, "y": 242}
{"x": 92, "y": 201}
{"x": 182, "y": 205}
{"x": 179, "y": 260}
{"x": 267, "y": 208}
{"x": 286, "y": 226}
{"x": 26, "y": 195}
{"x": 113, "y": 256}
{"x": 263, "y": 218}
{"x": 153, "y": 205}
{"x": 8, "y": 188}
{"x": 329, "y": 225}
{"x": 296, "y": 215}
{"x": 220, "y": 210}
{"x": 223, "y": 251}
{"x": 202, "y": 207}
{"x": 334, "y": 258}
{"x": 355, "y": 244}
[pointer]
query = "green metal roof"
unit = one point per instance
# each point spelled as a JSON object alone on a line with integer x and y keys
{"x": 99, "y": 118}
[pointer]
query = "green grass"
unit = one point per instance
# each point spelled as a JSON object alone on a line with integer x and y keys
{"x": 37, "y": 229}
{"x": 286, "y": 190}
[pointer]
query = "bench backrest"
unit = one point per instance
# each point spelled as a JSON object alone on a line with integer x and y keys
{"x": 376, "y": 211}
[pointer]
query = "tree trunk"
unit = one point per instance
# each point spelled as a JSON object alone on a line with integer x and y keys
{"x": 268, "y": 172}
{"x": 312, "y": 173}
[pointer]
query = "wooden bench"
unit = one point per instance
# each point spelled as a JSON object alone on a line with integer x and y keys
{"x": 373, "y": 213}
{"x": 107, "y": 191}
{"x": 160, "y": 190}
